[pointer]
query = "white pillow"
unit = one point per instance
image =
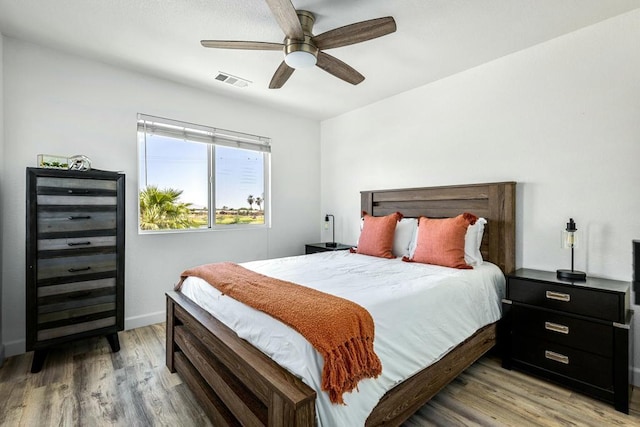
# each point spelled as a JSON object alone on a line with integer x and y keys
{"x": 472, "y": 243}
{"x": 404, "y": 236}
{"x": 406, "y": 229}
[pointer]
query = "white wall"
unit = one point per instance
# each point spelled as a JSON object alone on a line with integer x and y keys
{"x": 562, "y": 119}
{"x": 2, "y": 159}
{"x": 60, "y": 104}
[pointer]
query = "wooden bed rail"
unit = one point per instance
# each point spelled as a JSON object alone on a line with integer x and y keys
{"x": 235, "y": 382}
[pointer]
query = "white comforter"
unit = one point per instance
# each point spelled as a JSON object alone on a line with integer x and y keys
{"x": 420, "y": 311}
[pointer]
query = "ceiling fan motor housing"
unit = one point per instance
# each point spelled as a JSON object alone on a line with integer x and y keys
{"x": 297, "y": 51}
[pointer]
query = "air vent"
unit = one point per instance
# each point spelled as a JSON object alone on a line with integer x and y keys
{"x": 232, "y": 80}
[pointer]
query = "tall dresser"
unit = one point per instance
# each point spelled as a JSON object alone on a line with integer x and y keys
{"x": 74, "y": 258}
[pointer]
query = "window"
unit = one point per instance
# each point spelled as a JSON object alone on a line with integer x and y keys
{"x": 187, "y": 169}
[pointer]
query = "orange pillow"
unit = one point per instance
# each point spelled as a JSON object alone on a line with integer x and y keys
{"x": 377, "y": 234}
{"x": 441, "y": 241}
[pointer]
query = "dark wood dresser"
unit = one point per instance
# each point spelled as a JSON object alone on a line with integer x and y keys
{"x": 575, "y": 333}
{"x": 74, "y": 258}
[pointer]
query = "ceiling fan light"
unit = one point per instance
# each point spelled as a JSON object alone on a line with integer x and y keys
{"x": 300, "y": 59}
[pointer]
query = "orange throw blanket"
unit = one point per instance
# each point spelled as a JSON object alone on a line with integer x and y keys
{"x": 340, "y": 330}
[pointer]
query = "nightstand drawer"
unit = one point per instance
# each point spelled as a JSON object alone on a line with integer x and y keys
{"x": 569, "y": 299}
{"x": 565, "y": 330}
{"x": 572, "y": 363}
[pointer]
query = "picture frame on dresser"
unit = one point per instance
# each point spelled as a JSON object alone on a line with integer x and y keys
{"x": 578, "y": 334}
{"x": 75, "y": 242}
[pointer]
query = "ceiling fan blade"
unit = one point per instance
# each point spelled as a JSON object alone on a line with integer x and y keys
{"x": 231, "y": 44}
{"x": 355, "y": 33}
{"x": 287, "y": 18}
{"x": 281, "y": 76}
{"x": 339, "y": 69}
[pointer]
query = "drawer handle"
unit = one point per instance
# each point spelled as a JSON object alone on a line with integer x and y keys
{"x": 78, "y": 243}
{"x": 557, "y": 357}
{"x": 80, "y": 295}
{"x": 71, "y": 218}
{"x": 75, "y": 270}
{"x": 558, "y": 296}
{"x": 556, "y": 328}
{"x": 78, "y": 191}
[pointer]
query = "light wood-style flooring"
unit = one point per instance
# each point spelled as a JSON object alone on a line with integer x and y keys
{"x": 85, "y": 384}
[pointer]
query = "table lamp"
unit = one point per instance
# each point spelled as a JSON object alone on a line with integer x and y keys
{"x": 570, "y": 240}
{"x": 332, "y": 243}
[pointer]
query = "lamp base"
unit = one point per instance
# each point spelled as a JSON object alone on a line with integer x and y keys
{"x": 331, "y": 245}
{"x": 571, "y": 275}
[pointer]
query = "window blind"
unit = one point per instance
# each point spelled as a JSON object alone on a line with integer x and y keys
{"x": 192, "y": 132}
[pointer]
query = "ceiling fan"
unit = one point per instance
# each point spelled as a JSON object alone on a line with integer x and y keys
{"x": 302, "y": 49}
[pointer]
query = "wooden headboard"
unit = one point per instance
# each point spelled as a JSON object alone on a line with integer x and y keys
{"x": 496, "y": 202}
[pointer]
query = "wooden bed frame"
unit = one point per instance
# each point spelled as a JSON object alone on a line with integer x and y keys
{"x": 237, "y": 384}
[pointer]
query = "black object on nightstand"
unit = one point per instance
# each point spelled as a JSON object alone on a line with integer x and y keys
{"x": 575, "y": 333}
{"x": 312, "y": 248}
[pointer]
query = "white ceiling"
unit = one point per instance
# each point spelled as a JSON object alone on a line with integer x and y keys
{"x": 435, "y": 39}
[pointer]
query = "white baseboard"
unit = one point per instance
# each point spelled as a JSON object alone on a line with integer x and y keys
{"x": 635, "y": 378}
{"x": 14, "y": 348}
{"x": 144, "y": 320}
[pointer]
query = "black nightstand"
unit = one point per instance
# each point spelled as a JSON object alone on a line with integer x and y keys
{"x": 575, "y": 333}
{"x": 312, "y": 248}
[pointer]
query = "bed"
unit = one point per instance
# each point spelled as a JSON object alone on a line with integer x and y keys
{"x": 237, "y": 384}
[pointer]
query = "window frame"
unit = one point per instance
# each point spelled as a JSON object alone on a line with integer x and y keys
{"x": 213, "y": 137}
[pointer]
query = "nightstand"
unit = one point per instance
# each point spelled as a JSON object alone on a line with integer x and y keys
{"x": 312, "y": 248}
{"x": 577, "y": 334}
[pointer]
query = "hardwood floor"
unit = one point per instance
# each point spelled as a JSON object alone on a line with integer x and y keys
{"x": 85, "y": 384}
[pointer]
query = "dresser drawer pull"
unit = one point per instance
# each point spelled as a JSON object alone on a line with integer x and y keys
{"x": 80, "y": 295}
{"x": 78, "y": 191}
{"x": 75, "y": 270}
{"x": 556, "y": 328}
{"x": 556, "y": 357}
{"x": 78, "y": 243}
{"x": 558, "y": 296}
{"x": 71, "y": 218}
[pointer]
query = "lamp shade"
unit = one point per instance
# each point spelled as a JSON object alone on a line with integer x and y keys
{"x": 570, "y": 241}
{"x": 300, "y": 59}
{"x": 332, "y": 243}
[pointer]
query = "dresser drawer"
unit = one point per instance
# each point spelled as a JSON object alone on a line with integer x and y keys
{"x": 75, "y": 267}
{"x": 75, "y": 313}
{"x": 76, "y": 243}
{"x": 69, "y": 299}
{"x": 561, "y": 329}
{"x": 65, "y": 288}
{"x": 63, "y": 331}
{"x": 569, "y": 299}
{"x": 567, "y": 361}
{"x": 64, "y": 220}
{"x": 75, "y": 191}
{"x": 65, "y": 304}
{"x": 78, "y": 305}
